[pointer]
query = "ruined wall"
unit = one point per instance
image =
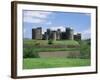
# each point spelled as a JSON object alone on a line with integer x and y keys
{"x": 55, "y": 35}
{"x": 77, "y": 36}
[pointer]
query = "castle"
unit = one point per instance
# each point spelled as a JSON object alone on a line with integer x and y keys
{"x": 68, "y": 34}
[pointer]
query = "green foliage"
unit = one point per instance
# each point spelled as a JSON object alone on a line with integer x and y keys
{"x": 50, "y": 41}
{"x": 85, "y": 49}
{"x": 30, "y": 53}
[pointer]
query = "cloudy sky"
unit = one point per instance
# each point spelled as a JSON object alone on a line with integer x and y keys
{"x": 80, "y": 22}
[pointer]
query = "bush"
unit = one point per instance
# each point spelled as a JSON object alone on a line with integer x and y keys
{"x": 30, "y": 53}
{"x": 85, "y": 50}
{"x": 50, "y": 42}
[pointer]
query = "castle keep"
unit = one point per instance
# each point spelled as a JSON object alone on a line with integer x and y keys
{"x": 68, "y": 34}
{"x": 37, "y": 33}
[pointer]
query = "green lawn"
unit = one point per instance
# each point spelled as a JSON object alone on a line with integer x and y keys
{"x": 31, "y": 63}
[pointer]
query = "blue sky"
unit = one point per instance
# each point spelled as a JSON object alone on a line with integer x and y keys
{"x": 80, "y": 22}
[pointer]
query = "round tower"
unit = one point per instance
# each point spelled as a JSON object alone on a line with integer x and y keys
{"x": 69, "y": 33}
{"x": 54, "y": 35}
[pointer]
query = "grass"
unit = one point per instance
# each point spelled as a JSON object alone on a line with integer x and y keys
{"x": 31, "y": 63}
{"x": 56, "y": 46}
{"x": 45, "y": 42}
{"x": 54, "y": 49}
{"x": 35, "y": 46}
{"x": 66, "y": 42}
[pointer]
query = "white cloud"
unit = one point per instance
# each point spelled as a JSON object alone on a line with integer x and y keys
{"x": 33, "y": 20}
{"x": 36, "y": 16}
{"x": 75, "y": 33}
{"x": 86, "y": 34}
{"x": 39, "y": 14}
{"x": 43, "y": 31}
{"x": 88, "y": 31}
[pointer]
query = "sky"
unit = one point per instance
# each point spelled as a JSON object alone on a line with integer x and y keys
{"x": 80, "y": 22}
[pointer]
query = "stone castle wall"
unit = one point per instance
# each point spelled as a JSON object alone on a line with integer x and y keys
{"x": 55, "y": 35}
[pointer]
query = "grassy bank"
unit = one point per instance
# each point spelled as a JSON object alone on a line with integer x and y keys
{"x": 45, "y": 42}
{"x": 31, "y": 63}
{"x": 31, "y": 48}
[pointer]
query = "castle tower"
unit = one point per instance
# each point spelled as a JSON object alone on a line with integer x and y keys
{"x": 69, "y": 34}
{"x": 45, "y": 36}
{"x": 33, "y": 33}
{"x": 58, "y": 34}
{"x": 48, "y": 33}
{"x": 53, "y": 35}
{"x": 63, "y": 35}
{"x": 37, "y": 33}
